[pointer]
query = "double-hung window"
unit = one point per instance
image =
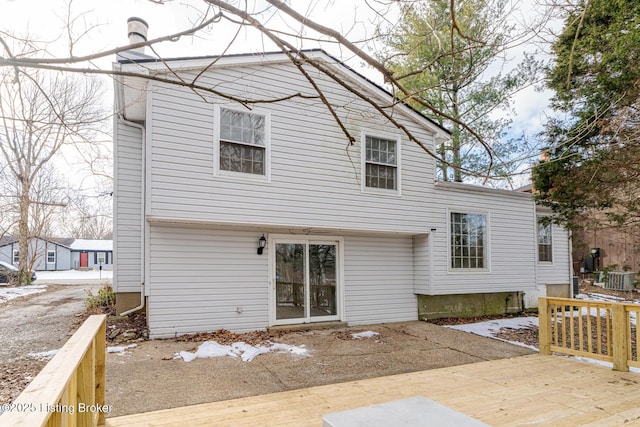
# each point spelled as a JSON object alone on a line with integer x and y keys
{"x": 381, "y": 163}
{"x": 51, "y": 256}
{"x": 545, "y": 247}
{"x": 468, "y": 240}
{"x": 243, "y": 142}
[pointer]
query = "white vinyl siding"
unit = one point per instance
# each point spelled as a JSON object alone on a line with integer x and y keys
{"x": 313, "y": 169}
{"x": 421, "y": 264}
{"x": 559, "y": 271}
{"x": 206, "y": 279}
{"x": 205, "y": 274}
{"x": 127, "y": 208}
{"x": 510, "y": 241}
{"x": 379, "y": 280}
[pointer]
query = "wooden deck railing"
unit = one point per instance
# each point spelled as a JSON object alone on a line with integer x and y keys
{"x": 599, "y": 330}
{"x": 69, "y": 391}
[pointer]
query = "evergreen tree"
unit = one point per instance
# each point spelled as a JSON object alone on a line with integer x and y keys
{"x": 444, "y": 58}
{"x": 593, "y": 157}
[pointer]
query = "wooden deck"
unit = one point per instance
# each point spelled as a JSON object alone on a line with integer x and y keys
{"x": 528, "y": 390}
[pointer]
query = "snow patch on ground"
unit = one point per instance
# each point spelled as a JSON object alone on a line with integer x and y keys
{"x": 245, "y": 351}
{"x": 490, "y": 328}
{"x": 74, "y": 275}
{"x": 7, "y": 294}
{"x": 43, "y": 355}
{"x": 120, "y": 349}
{"x": 365, "y": 334}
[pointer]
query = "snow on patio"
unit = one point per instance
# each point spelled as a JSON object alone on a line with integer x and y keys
{"x": 243, "y": 350}
{"x": 365, "y": 334}
{"x": 120, "y": 349}
{"x": 7, "y": 294}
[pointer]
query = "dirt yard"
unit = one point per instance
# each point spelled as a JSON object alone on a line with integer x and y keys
{"x": 35, "y": 324}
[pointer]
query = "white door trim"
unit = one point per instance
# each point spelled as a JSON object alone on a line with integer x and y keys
{"x": 272, "y": 239}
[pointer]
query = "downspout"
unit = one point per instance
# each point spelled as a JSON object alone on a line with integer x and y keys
{"x": 571, "y": 272}
{"x": 536, "y": 264}
{"x": 143, "y": 132}
{"x": 143, "y": 198}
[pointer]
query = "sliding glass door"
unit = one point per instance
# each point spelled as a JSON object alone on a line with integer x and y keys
{"x": 306, "y": 281}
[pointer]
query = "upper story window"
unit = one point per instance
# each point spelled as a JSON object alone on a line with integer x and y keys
{"x": 243, "y": 142}
{"x": 545, "y": 247}
{"x": 16, "y": 256}
{"x": 468, "y": 240}
{"x": 381, "y": 163}
{"x": 51, "y": 256}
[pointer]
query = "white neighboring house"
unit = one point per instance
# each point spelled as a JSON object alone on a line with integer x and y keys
{"x": 357, "y": 234}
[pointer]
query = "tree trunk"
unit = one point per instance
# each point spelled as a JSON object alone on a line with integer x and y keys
{"x": 455, "y": 144}
{"x": 24, "y": 278}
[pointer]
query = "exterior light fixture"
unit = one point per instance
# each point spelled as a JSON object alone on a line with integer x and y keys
{"x": 262, "y": 242}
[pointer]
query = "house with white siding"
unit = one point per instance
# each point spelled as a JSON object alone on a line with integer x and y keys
{"x": 247, "y": 216}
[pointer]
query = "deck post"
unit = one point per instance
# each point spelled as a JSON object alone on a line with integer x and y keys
{"x": 544, "y": 326}
{"x": 100, "y": 370}
{"x": 620, "y": 338}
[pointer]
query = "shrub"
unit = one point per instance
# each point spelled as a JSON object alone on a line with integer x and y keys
{"x": 104, "y": 301}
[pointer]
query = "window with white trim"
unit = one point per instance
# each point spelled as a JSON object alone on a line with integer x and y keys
{"x": 16, "y": 256}
{"x": 468, "y": 240}
{"x": 101, "y": 257}
{"x": 381, "y": 163}
{"x": 243, "y": 142}
{"x": 51, "y": 256}
{"x": 545, "y": 243}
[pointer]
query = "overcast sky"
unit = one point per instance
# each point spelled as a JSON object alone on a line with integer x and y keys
{"x": 107, "y": 21}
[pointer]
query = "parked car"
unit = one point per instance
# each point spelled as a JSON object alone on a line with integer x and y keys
{"x": 9, "y": 272}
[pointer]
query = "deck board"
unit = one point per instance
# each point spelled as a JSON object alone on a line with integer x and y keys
{"x": 527, "y": 390}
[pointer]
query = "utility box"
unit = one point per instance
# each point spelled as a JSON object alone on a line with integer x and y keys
{"x": 621, "y": 280}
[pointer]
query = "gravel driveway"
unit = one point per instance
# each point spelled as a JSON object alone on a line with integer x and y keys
{"x": 34, "y": 324}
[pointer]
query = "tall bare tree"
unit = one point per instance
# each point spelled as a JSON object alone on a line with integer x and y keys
{"x": 88, "y": 217}
{"x": 40, "y": 112}
{"x": 289, "y": 27}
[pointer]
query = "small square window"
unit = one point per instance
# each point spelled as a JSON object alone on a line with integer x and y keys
{"x": 380, "y": 163}
{"x": 242, "y": 142}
